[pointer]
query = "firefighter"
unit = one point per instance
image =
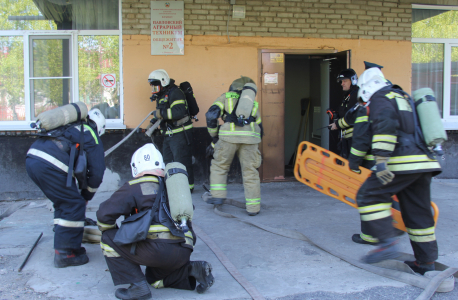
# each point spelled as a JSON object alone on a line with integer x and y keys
{"x": 176, "y": 124}
{"x": 348, "y": 79}
{"x": 403, "y": 166}
{"x": 47, "y": 164}
{"x": 241, "y": 134}
{"x": 166, "y": 251}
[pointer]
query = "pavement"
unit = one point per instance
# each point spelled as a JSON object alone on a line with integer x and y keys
{"x": 278, "y": 267}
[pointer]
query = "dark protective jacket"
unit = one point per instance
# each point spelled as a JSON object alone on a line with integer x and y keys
{"x": 55, "y": 151}
{"x": 173, "y": 107}
{"x": 224, "y": 107}
{"x": 345, "y": 121}
{"x": 138, "y": 195}
{"x": 392, "y": 134}
{"x": 360, "y": 152}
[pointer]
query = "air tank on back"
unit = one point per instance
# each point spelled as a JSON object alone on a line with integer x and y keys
{"x": 60, "y": 116}
{"x": 246, "y": 101}
{"x": 180, "y": 200}
{"x": 430, "y": 118}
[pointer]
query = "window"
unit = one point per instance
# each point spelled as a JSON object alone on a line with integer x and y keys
{"x": 435, "y": 56}
{"x": 55, "y": 52}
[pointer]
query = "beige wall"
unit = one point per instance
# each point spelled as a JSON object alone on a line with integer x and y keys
{"x": 210, "y": 64}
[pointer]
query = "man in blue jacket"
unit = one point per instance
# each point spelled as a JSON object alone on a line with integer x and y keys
{"x": 47, "y": 164}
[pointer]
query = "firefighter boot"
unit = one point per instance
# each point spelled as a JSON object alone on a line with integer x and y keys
{"x": 419, "y": 267}
{"x": 388, "y": 249}
{"x": 358, "y": 239}
{"x": 139, "y": 290}
{"x": 202, "y": 272}
{"x": 70, "y": 257}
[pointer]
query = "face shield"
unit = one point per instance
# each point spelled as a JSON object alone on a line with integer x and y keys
{"x": 156, "y": 85}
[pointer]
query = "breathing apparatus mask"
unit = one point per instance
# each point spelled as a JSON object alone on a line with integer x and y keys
{"x": 156, "y": 88}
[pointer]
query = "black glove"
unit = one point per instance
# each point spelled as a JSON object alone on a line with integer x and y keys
{"x": 211, "y": 148}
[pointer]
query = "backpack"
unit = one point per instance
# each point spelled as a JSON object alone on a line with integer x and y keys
{"x": 190, "y": 99}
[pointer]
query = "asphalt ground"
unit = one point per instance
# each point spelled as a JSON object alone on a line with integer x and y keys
{"x": 278, "y": 267}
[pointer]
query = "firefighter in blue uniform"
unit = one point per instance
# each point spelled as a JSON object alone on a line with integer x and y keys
{"x": 176, "y": 124}
{"x": 403, "y": 166}
{"x": 165, "y": 252}
{"x": 47, "y": 164}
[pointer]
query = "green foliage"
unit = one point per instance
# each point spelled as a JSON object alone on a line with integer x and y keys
{"x": 11, "y": 72}
{"x": 22, "y": 8}
{"x": 444, "y": 25}
{"x": 97, "y": 55}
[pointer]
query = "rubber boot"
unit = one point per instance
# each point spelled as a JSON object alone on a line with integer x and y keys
{"x": 202, "y": 272}
{"x": 421, "y": 268}
{"x": 136, "y": 291}
{"x": 70, "y": 257}
{"x": 388, "y": 249}
{"x": 358, "y": 239}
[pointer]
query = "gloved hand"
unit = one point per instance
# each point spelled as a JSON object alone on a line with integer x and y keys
{"x": 383, "y": 174}
{"x": 157, "y": 114}
{"x": 211, "y": 148}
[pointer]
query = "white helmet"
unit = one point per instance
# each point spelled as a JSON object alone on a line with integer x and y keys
{"x": 96, "y": 115}
{"x": 159, "y": 75}
{"x": 146, "y": 159}
{"x": 370, "y": 82}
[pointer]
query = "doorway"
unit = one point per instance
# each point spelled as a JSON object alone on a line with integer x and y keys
{"x": 297, "y": 89}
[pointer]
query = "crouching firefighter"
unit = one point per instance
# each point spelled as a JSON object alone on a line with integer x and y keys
{"x": 241, "y": 134}
{"x": 70, "y": 149}
{"x": 176, "y": 124}
{"x": 166, "y": 249}
{"x": 403, "y": 166}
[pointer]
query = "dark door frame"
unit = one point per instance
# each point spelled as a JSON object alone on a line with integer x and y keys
{"x": 264, "y": 148}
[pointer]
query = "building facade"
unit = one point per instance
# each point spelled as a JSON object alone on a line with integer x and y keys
{"x": 59, "y": 51}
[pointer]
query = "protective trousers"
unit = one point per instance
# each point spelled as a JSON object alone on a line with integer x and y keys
{"x": 176, "y": 149}
{"x": 168, "y": 262}
{"x": 69, "y": 205}
{"x": 413, "y": 191}
{"x": 250, "y": 160}
{"x": 346, "y": 146}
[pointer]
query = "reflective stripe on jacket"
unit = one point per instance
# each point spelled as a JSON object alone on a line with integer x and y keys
{"x": 229, "y": 131}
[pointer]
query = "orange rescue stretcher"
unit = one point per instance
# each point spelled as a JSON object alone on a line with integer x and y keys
{"x": 329, "y": 174}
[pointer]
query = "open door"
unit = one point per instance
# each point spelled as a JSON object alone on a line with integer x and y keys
{"x": 337, "y": 62}
{"x": 286, "y": 78}
{"x": 273, "y": 115}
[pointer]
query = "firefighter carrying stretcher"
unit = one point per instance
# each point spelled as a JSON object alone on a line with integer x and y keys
{"x": 403, "y": 166}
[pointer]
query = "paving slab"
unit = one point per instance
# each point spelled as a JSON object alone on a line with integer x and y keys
{"x": 279, "y": 267}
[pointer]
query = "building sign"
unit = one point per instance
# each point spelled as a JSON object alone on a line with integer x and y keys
{"x": 276, "y": 58}
{"x": 167, "y": 28}
{"x": 270, "y": 78}
{"x": 108, "y": 80}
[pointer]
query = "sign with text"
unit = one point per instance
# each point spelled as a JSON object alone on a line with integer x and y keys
{"x": 167, "y": 28}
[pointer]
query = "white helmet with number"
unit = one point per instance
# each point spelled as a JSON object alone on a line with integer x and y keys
{"x": 370, "y": 82}
{"x": 159, "y": 75}
{"x": 146, "y": 159}
{"x": 98, "y": 118}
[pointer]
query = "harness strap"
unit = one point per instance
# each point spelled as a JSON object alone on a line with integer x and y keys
{"x": 174, "y": 171}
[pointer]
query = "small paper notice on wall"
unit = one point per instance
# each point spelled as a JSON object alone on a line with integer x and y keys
{"x": 276, "y": 58}
{"x": 271, "y": 78}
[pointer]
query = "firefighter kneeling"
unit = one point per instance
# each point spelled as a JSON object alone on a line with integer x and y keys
{"x": 404, "y": 166}
{"x": 166, "y": 250}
